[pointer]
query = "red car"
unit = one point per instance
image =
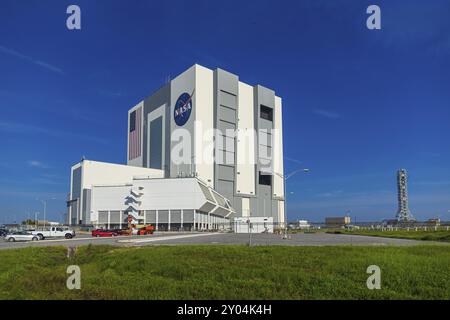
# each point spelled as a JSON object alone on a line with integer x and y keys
{"x": 104, "y": 233}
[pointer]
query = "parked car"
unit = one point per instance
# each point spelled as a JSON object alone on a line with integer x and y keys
{"x": 3, "y": 232}
{"x": 55, "y": 232}
{"x": 122, "y": 232}
{"x": 21, "y": 236}
{"x": 104, "y": 233}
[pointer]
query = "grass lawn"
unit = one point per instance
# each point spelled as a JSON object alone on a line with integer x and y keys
{"x": 439, "y": 235}
{"x": 227, "y": 272}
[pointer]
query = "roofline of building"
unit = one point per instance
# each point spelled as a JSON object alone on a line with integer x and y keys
{"x": 194, "y": 65}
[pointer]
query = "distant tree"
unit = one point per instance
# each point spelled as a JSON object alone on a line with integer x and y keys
{"x": 28, "y": 222}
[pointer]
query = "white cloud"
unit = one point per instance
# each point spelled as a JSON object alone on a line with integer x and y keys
{"x": 327, "y": 114}
{"x": 37, "y": 164}
{"x": 40, "y": 63}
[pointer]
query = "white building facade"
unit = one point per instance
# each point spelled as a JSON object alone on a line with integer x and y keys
{"x": 230, "y": 134}
{"x": 204, "y": 126}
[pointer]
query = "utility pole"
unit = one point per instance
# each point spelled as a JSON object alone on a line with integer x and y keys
{"x": 45, "y": 212}
{"x": 36, "y": 219}
{"x": 250, "y": 226}
{"x": 44, "y": 202}
{"x": 285, "y": 177}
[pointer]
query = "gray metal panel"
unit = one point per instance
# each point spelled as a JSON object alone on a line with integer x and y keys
{"x": 188, "y": 216}
{"x": 264, "y": 201}
{"x": 175, "y": 216}
{"x": 156, "y": 143}
{"x": 226, "y": 88}
{"x": 224, "y": 158}
{"x": 227, "y": 81}
{"x": 263, "y": 206}
{"x": 221, "y": 212}
{"x": 237, "y": 205}
{"x": 163, "y": 216}
{"x": 150, "y": 216}
{"x": 275, "y": 211}
{"x": 86, "y": 206}
{"x": 220, "y": 199}
{"x": 225, "y": 188}
{"x": 226, "y": 172}
{"x": 226, "y": 143}
{"x": 265, "y": 137}
{"x": 74, "y": 211}
{"x": 207, "y": 207}
{"x": 224, "y": 126}
{"x": 227, "y": 114}
{"x": 103, "y": 217}
{"x": 76, "y": 183}
{"x": 265, "y": 152}
{"x": 228, "y": 99}
{"x": 265, "y": 124}
{"x": 157, "y": 99}
{"x": 265, "y": 96}
{"x": 206, "y": 192}
{"x": 115, "y": 217}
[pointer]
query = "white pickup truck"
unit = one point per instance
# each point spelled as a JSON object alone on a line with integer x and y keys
{"x": 55, "y": 232}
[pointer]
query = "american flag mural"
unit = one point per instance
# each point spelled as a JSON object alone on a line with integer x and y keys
{"x": 135, "y": 134}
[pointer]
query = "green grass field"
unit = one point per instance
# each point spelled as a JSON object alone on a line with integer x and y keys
{"x": 227, "y": 272}
{"x": 439, "y": 235}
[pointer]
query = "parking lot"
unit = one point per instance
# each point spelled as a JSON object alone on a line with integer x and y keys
{"x": 204, "y": 238}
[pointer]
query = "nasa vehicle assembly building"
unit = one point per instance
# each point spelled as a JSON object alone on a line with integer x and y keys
{"x": 203, "y": 150}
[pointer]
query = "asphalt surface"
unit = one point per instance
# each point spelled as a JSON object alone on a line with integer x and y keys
{"x": 204, "y": 238}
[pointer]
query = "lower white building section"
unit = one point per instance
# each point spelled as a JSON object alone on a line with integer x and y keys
{"x": 202, "y": 148}
{"x": 170, "y": 204}
{"x": 87, "y": 173}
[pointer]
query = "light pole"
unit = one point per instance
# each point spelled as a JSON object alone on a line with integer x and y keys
{"x": 285, "y": 177}
{"x": 62, "y": 217}
{"x": 44, "y": 202}
{"x": 45, "y": 211}
{"x": 36, "y": 220}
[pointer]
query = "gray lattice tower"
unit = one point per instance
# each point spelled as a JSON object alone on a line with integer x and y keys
{"x": 403, "y": 213}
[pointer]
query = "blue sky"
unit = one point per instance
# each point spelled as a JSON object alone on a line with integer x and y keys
{"x": 358, "y": 104}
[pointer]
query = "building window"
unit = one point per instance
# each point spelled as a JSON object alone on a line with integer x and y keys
{"x": 266, "y": 113}
{"x": 133, "y": 121}
{"x": 265, "y": 179}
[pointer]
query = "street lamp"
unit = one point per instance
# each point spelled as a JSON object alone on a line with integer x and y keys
{"x": 36, "y": 220}
{"x": 285, "y": 177}
{"x": 62, "y": 217}
{"x": 44, "y": 202}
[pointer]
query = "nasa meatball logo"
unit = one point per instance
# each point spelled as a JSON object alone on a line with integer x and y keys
{"x": 183, "y": 108}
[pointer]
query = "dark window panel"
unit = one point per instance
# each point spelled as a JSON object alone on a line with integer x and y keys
{"x": 265, "y": 179}
{"x": 133, "y": 121}
{"x": 266, "y": 113}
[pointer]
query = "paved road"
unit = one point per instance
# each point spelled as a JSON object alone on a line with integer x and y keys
{"x": 315, "y": 239}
